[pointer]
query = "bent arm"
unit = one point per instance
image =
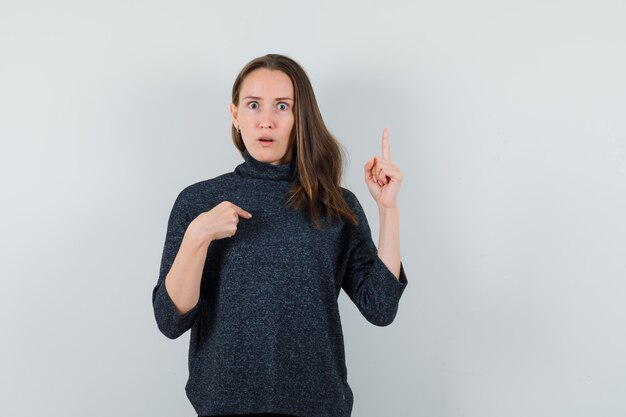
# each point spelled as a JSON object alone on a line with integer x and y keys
{"x": 184, "y": 278}
{"x": 369, "y": 280}
{"x": 176, "y": 296}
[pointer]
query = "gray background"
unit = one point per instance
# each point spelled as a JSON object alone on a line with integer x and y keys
{"x": 506, "y": 119}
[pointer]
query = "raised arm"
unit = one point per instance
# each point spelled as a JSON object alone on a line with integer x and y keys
{"x": 383, "y": 179}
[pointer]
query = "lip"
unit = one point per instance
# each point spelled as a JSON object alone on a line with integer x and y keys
{"x": 265, "y": 144}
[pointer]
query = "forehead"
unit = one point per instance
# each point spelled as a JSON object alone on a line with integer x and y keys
{"x": 267, "y": 84}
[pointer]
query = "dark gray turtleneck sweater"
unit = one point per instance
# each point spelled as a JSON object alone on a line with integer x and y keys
{"x": 266, "y": 334}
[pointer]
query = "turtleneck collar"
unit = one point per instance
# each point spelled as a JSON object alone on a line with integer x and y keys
{"x": 253, "y": 168}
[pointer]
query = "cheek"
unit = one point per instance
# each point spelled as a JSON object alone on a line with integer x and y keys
{"x": 291, "y": 119}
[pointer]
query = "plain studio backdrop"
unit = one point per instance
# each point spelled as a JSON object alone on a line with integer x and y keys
{"x": 506, "y": 119}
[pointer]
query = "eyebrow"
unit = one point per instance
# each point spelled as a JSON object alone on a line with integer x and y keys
{"x": 259, "y": 98}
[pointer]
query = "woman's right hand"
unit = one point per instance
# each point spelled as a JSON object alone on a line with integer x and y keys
{"x": 217, "y": 223}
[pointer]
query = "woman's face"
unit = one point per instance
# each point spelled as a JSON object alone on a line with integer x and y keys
{"x": 265, "y": 110}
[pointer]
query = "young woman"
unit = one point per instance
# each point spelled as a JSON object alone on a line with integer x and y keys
{"x": 254, "y": 259}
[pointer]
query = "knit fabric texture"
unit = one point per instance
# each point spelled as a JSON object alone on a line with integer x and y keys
{"x": 266, "y": 333}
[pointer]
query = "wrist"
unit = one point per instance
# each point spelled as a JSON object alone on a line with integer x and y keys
{"x": 385, "y": 210}
{"x": 198, "y": 238}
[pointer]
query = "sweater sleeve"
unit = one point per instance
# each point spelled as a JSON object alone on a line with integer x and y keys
{"x": 369, "y": 283}
{"x": 169, "y": 321}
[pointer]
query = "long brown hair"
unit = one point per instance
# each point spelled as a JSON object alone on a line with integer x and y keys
{"x": 319, "y": 156}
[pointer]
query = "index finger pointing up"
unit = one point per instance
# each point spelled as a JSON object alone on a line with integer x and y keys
{"x": 386, "y": 151}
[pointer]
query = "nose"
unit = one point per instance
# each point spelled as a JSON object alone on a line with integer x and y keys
{"x": 266, "y": 121}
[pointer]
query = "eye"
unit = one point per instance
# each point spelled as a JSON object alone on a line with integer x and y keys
{"x": 284, "y": 106}
{"x": 253, "y": 105}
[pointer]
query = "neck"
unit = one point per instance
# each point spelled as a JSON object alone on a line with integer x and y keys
{"x": 253, "y": 168}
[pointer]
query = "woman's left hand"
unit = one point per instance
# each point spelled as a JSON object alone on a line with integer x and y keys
{"x": 383, "y": 178}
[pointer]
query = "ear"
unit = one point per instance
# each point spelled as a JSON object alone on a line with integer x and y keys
{"x": 233, "y": 113}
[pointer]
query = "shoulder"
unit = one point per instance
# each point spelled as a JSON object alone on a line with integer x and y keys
{"x": 209, "y": 186}
{"x": 206, "y": 193}
{"x": 349, "y": 196}
{"x": 352, "y": 201}
{"x": 356, "y": 207}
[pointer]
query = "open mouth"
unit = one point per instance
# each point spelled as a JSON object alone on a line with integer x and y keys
{"x": 266, "y": 139}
